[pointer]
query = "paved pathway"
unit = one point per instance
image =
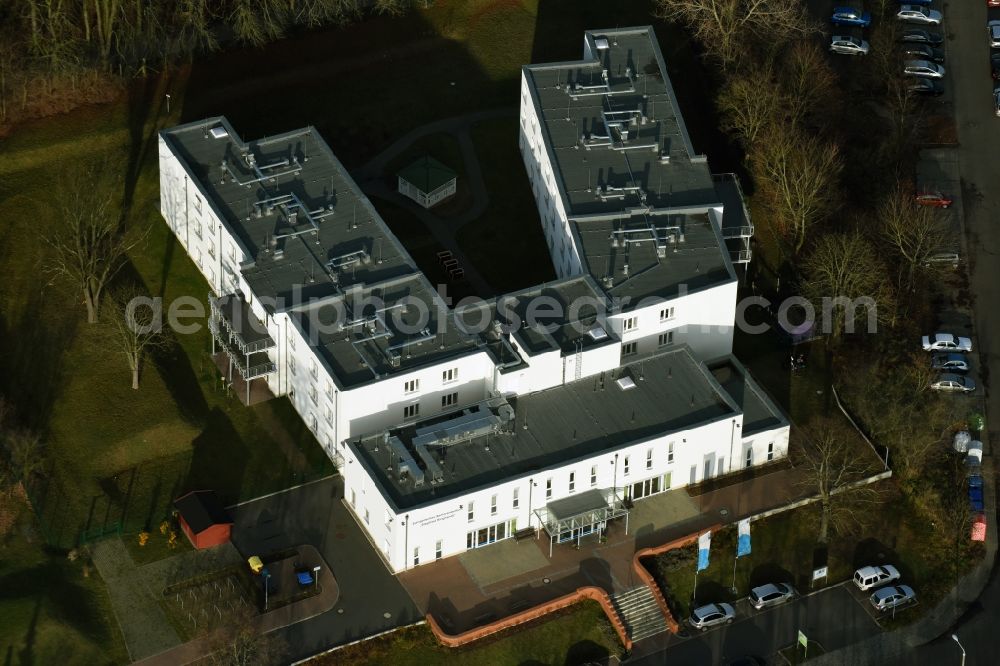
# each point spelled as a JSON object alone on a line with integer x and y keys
{"x": 138, "y": 611}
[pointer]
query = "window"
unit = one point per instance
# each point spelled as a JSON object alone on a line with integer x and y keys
{"x": 472, "y": 512}
{"x": 291, "y": 342}
{"x": 232, "y": 252}
{"x": 666, "y": 314}
{"x": 329, "y": 416}
{"x": 197, "y": 203}
{"x": 630, "y": 349}
{"x": 628, "y": 324}
{"x": 313, "y": 395}
{"x": 665, "y": 339}
{"x": 548, "y": 488}
{"x": 593, "y": 475}
{"x": 291, "y": 364}
{"x": 626, "y": 465}
{"x": 572, "y": 482}
{"x": 388, "y": 518}
{"x": 770, "y": 451}
{"x": 416, "y": 555}
{"x": 670, "y": 452}
{"x": 312, "y": 369}
{"x": 367, "y": 518}
{"x": 649, "y": 458}
{"x": 211, "y": 250}
{"x": 517, "y": 497}
{"x": 354, "y": 498}
{"x": 410, "y": 411}
{"x": 449, "y": 400}
{"x": 449, "y": 375}
{"x": 411, "y": 386}
{"x": 749, "y": 460}
{"x": 437, "y": 549}
{"x": 493, "y": 505}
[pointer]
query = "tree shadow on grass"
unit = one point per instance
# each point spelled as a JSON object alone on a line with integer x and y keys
{"x": 586, "y": 651}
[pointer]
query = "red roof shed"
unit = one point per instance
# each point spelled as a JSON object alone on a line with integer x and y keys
{"x": 203, "y": 518}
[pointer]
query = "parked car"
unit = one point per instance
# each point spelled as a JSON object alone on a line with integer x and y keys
{"x": 943, "y": 259}
{"x": 950, "y": 362}
{"x": 995, "y": 65}
{"x": 975, "y": 481}
{"x": 923, "y": 68}
{"x": 771, "y": 594}
{"x": 933, "y": 199}
{"x": 996, "y": 100}
{"x": 711, "y": 615}
{"x": 892, "y": 597}
{"x": 993, "y": 33}
{"x": 946, "y": 342}
{"x": 922, "y": 52}
{"x": 918, "y": 36}
{"x": 993, "y": 3}
{"x": 953, "y": 383}
{"x": 847, "y": 45}
{"x": 851, "y": 16}
{"x": 930, "y": 87}
{"x": 868, "y": 577}
{"x": 916, "y": 14}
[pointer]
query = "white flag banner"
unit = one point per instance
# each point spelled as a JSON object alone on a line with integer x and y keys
{"x": 704, "y": 543}
{"x": 743, "y": 538}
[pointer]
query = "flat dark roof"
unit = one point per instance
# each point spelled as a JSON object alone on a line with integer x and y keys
{"x": 201, "y": 509}
{"x": 671, "y": 392}
{"x": 613, "y": 180}
{"x": 759, "y": 411}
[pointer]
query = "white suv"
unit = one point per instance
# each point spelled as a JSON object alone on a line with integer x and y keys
{"x": 868, "y": 577}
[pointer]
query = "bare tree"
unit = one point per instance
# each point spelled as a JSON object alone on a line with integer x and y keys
{"x": 723, "y": 26}
{"x": 913, "y": 232}
{"x": 800, "y": 172}
{"x": 844, "y": 277}
{"x": 91, "y": 246}
{"x": 831, "y": 468}
{"x": 809, "y": 83}
{"x": 138, "y": 328}
{"x": 22, "y": 455}
{"x": 239, "y": 642}
{"x": 750, "y": 101}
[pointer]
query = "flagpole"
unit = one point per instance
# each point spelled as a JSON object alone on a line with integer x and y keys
{"x": 735, "y": 560}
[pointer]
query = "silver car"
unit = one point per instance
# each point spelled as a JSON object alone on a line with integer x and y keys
{"x": 770, "y": 595}
{"x": 847, "y": 45}
{"x": 888, "y": 598}
{"x": 868, "y": 577}
{"x": 950, "y": 362}
{"x": 953, "y": 384}
{"x": 923, "y": 68}
{"x": 917, "y": 14}
{"x": 946, "y": 342}
{"x": 711, "y": 615}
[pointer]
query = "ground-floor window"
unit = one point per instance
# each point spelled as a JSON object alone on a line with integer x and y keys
{"x": 487, "y": 535}
{"x": 437, "y": 550}
{"x": 656, "y": 484}
{"x": 416, "y": 556}
{"x": 573, "y": 535}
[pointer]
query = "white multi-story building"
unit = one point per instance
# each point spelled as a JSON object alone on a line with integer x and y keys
{"x": 549, "y": 408}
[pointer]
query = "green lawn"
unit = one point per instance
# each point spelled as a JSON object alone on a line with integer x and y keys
{"x": 52, "y": 610}
{"x": 577, "y": 635}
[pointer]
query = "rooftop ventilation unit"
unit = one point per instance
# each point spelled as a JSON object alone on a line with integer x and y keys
{"x": 218, "y": 132}
{"x": 405, "y": 461}
{"x": 601, "y": 43}
{"x": 597, "y": 333}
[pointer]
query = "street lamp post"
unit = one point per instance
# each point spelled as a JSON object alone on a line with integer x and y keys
{"x": 267, "y": 578}
{"x": 954, "y": 637}
{"x": 316, "y": 577}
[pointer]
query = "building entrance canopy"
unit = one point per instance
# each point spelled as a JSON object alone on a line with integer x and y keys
{"x": 579, "y": 515}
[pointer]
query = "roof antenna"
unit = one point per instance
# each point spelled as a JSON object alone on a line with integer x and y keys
{"x": 524, "y": 424}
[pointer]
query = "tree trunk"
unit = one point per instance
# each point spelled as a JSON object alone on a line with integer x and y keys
{"x": 824, "y": 520}
{"x": 91, "y": 307}
{"x": 135, "y": 375}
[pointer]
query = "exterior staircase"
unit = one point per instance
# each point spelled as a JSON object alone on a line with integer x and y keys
{"x": 640, "y": 613}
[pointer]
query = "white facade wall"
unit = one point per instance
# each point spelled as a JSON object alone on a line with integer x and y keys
{"x": 704, "y": 320}
{"x": 707, "y": 448}
{"x": 762, "y": 448}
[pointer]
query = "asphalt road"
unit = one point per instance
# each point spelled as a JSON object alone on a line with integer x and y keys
{"x": 833, "y": 617}
{"x": 371, "y": 599}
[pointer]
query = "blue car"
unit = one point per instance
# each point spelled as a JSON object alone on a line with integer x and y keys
{"x": 850, "y": 16}
{"x": 975, "y": 481}
{"x": 926, "y": 3}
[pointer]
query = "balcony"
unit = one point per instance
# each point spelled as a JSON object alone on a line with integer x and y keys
{"x": 240, "y": 341}
{"x": 737, "y": 227}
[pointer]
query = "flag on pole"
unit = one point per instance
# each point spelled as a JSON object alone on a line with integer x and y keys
{"x": 704, "y": 542}
{"x": 743, "y": 538}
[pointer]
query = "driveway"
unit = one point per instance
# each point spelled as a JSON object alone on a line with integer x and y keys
{"x": 371, "y": 599}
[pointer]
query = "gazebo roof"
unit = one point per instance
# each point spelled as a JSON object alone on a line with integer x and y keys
{"x": 427, "y": 174}
{"x": 201, "y": 509}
